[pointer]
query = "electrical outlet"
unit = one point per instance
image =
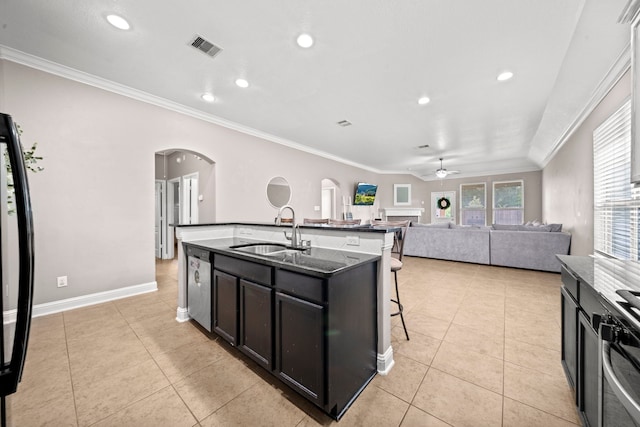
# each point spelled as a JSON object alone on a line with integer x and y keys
{"x": 353, "y": 240}
{"x": 62, "y": 281}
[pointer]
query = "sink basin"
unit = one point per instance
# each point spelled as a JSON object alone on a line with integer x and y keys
{"x": 260, "y": 248}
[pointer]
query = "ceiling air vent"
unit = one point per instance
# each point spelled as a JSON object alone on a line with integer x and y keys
{"x": 419, "y": 147}
{"x": 205, "y": 46}
{"x": 344, "y": 123}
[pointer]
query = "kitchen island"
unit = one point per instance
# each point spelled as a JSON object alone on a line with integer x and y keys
{"x": 310, "y": 316}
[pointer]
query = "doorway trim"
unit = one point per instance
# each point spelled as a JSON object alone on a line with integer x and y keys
{"x": 171, "y": 219}
{"x": 160, "y": 218}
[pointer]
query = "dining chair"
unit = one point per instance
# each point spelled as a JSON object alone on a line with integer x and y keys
{"x": 396, "y": 261}
{"x": 344, "y": 222}
{"x": 315, "y": 221}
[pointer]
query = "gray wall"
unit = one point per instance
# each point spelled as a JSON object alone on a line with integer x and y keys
{"x": 100, "y": 231}
{"x": 567, "y": 180}
{"x": 421, "y": 192}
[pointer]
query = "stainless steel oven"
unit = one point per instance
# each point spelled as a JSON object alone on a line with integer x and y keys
{"x": 619, "y": 363}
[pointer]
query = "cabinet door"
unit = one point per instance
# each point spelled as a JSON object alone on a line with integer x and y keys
{"x": 225, "y": 306}
{"x": 255, "y": 322}
{"x": 569, "y": 337}
{"x": 587, "y": 371}
{"x": 300, "y": 346}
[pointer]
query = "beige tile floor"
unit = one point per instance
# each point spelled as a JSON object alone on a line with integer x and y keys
{"x": 484, "y": 351}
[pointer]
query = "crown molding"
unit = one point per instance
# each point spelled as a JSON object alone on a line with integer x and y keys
{"x": 50, "y": 67}
{"x": 613, "y": 75}
{"x": 629, "y": 12}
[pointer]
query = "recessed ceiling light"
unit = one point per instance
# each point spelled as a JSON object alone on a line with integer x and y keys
{"x": 119, "y": 22}
{"x": 305, "y": 41}
{"x": 424, "y": 100}
{"x": 504, "y": 76}
{"x": 208, "y": 97}
{"x": 242, "y": 83}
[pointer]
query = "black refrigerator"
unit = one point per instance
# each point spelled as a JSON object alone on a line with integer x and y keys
{"x": 16, "y": 297}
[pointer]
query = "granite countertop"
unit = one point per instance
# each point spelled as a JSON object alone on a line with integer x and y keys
{"x": 318, "y": 262}
{"x": 606, "y": 276}
{"x": 364, "y": 227}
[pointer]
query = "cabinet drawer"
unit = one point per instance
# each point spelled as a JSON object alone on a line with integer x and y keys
{"x": 299, "y": 285}
{"x": 570, "y": 283}
{"x": 589, "y": 302}
{"x": 244, "y": 269}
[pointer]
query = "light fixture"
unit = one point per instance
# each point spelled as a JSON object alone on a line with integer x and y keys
{"x": 305, "y": 41}
{"x": 504, "y": 76}
{"x": 118, "y": 21}
{"x": 242, "y": 83}
{"x": 441, "y": 173}
{"x": 424, "y": 100}
{"x": 208, "y": 97}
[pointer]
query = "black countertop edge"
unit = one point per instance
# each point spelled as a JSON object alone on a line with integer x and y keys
{"x": 224, "y": 249}
{"x": 607, "y": 276}
{"x": 365, "y": 227}
{"x": 580, "y": 266}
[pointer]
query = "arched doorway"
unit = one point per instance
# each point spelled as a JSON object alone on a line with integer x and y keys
{"x": 185, "y": 194}
{"x": 330, "y": 195}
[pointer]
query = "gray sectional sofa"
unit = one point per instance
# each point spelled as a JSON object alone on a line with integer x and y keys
{"x": 509, "y": 246}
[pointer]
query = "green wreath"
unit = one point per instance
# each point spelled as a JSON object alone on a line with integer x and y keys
{"x": 443, "y": 203}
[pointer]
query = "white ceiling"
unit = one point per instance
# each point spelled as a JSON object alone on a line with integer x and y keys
{"x": 371, "y": 61}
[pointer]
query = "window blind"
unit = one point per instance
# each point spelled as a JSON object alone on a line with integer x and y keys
{"x": 616, "y": 201}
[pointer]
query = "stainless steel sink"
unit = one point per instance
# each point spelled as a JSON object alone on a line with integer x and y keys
{"x": 266, "y": 249}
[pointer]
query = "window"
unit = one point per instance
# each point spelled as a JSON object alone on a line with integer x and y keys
{"x": 508, "y": 202}
{"x": 616, "y": 201}
{"x": 473, "y": 210}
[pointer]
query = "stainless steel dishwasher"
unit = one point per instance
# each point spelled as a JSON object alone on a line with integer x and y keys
{"x": 199, "y": 286}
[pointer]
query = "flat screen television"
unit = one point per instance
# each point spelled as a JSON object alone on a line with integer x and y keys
{"x": 365, "y": 194}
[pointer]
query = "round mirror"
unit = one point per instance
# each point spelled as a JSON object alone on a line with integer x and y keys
{"x": 278, "y": 192}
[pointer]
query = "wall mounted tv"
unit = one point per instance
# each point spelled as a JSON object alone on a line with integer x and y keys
{"x": 365, "y": 194}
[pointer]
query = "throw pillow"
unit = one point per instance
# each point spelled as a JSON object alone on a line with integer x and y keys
{"x": 555, "y": 227}
{"x": 534, "y": 228}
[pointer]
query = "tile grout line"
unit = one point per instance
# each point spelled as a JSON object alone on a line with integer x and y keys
{"x": 73, "y": 390}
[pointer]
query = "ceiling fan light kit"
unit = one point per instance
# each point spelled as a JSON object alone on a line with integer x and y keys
{"x": 442, "y": 172}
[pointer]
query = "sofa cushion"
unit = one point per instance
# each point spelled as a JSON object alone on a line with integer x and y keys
{"x": 509, "y": 227}
{"x": 434, "y": 225}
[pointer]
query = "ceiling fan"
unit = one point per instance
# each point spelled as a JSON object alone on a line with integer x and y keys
{"x": 442, "y": 172}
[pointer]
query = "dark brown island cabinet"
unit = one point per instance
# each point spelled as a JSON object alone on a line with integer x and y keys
{"x": 316, "y": 332}
{"x": 580, "y": 344}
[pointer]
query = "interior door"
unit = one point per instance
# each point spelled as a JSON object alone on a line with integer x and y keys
{"x": 160, "y": 229}
{"x": 173, "y": 214}
{"x": 190, "y": 199}
{"x": 328, "y": 203}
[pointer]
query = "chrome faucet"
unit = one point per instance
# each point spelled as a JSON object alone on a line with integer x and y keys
{"x": 295, "y": 233}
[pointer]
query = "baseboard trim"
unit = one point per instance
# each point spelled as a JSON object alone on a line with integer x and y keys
{"x": 84, "y": 301}
{"x": 385, "y": 361}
